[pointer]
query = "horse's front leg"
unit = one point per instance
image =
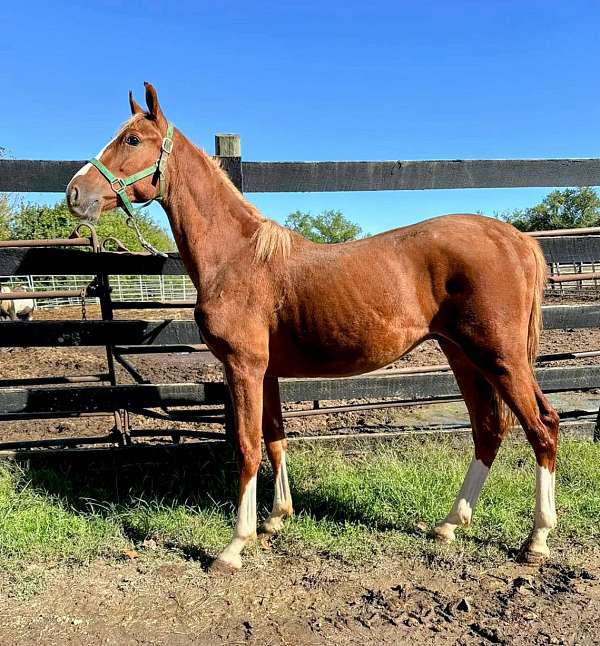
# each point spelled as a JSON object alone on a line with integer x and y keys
{"x": 245, "y": 382}
{"x": 276, "y": 445}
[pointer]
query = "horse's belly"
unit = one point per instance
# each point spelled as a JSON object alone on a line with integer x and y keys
{"x": 341, "y": 354}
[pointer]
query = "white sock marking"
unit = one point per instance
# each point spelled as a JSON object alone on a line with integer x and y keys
{"x": 545, "y": 510}
{"x": 246, "y": 520}
{"x": 245, "y": 527}
{"x": 282, "y": 501}
{"x": 462, "y": 510}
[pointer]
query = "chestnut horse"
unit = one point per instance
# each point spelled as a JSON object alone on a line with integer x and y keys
{"x": 272, "y": 304}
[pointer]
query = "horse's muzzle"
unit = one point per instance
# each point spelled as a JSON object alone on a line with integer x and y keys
{"x": 83, "y": 204}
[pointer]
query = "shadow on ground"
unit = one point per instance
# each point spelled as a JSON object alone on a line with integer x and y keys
{"x": 203, "y": 477}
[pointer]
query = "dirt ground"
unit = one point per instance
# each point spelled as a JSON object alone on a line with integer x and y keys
{"x": 293, "y": 600}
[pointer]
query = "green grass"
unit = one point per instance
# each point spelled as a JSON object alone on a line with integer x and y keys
{"x": 347, "y": 507}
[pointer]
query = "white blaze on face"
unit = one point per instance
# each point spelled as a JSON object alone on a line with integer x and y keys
{"x": 86, "y": 167}
{"x": 462, "y": 511}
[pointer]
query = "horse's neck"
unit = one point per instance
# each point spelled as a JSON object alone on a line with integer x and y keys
{"x": 210, "y": 220}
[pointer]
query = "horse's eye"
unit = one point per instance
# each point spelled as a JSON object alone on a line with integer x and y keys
{"x": 132, "y": 140}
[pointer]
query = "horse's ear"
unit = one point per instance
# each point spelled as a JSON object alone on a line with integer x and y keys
{"x": 136, "y": 108}
{"x": 154, "y": 110}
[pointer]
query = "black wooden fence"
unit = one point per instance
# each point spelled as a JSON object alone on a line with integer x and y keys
{"x": 31, "y": 398}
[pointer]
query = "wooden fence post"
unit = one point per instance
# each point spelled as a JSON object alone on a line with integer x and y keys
{"x": 228, "y": 149}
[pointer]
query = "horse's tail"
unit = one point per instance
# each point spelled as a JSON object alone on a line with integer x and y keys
{"x": 535, "y": 317}
{"x": 504, "y": 416}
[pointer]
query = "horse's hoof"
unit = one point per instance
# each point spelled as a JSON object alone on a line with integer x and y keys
{"x": 528, "y": 556}
{"x": 223, "y": 568}
{"x": 443, "y": 534}
{"x": 533, "y": 551}
{"x": 270, "y": 528}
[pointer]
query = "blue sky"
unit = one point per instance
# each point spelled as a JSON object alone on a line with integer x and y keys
{"x": 313, "y": 81}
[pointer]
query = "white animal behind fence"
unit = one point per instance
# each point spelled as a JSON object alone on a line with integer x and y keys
{"x": 20, "y": 309}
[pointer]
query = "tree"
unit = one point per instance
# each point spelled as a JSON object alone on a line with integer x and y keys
{"x": 568, "y": 209}
{"x": 328, "y": 226}
{"x": 4, "y": 217}
{"x": 37, "y": 221}
{"x": 4, "y": 208}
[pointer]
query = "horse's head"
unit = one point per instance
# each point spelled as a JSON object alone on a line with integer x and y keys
{"x": 130, "y": 168}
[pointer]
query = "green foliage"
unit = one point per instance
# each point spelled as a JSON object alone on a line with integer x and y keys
{"x": 4, "y": 208}
{"x": 4, "y": 217}
{"x": 568, "y": 209}
{"x": 328, "y": 226}
{"x": 36, "y": 221}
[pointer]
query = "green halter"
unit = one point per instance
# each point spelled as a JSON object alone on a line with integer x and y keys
{"x": 119, "y": 185}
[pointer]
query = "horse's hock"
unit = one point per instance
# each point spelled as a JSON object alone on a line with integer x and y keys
{"x": 101, "y": 394}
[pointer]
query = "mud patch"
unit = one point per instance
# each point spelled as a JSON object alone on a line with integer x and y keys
{"x": 280, "y": 600}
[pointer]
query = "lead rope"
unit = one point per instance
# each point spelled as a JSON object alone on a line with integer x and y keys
{"x": 132, "y": 224}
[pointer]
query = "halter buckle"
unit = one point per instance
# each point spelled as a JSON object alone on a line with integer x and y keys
{"x": 118, "y": 185}
{"x": 167, "y": 145}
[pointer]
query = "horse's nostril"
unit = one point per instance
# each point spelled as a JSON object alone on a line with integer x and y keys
{"x": 73, "y": 195}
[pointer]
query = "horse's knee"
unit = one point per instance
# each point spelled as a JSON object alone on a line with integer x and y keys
{"x": 249, "y": 460}
{"x": 551, "y": 421}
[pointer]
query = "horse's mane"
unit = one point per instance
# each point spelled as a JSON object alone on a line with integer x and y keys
{"x": 270, "y": 239}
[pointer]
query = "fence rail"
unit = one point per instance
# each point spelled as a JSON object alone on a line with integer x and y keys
{"x": 325, "y": 176}
{"x": 143, "y": 292}
{"x": 73, "y": 262}
{"x": 73, "y": 333}
{"x": 427, "y": 387}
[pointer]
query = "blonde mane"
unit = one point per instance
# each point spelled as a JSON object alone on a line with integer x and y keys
{"x": 270, "y": 239}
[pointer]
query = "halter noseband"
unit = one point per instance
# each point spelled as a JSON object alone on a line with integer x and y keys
{"x": 119, "y": 185}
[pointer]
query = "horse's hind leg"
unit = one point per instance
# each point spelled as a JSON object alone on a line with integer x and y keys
{"x": 276, "y": 445}
{"x": 488, "y": 432}
{"x": 539, "y": 420}
{"x": 505, "y": 365}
